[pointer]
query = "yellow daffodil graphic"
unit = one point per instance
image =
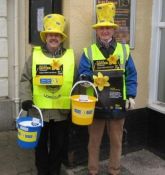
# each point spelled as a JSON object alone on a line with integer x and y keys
{"x": 101, "y": 81}
{"x": 112, "y": 59}
{"x": 55, "y": 65}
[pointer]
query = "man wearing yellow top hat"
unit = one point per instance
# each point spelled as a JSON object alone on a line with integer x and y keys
{"x": 109, "y": 65}
{"x": 46, "y": 82}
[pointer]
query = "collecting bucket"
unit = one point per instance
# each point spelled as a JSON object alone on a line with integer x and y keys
{"x": 83, "y": 106}
{"x": 29, "y": 129}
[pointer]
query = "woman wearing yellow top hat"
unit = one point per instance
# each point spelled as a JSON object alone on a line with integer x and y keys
{"x": 109, "y": 65}
{"x": 46, "y": 82}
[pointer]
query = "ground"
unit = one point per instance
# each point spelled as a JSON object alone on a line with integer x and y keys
{"x": 17, "y": 161}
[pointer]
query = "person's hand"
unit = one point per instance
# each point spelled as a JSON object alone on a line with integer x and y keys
{"x": 26, "y": 105}
{"x": 130, "y": 104}
{"x": 85, "y": 78}
{"x": 85, "y": 84}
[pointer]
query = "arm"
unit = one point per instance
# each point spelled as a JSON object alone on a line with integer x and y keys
{"x": 85, "y": 67}
{"x": 26, "y": 81}
{"x": 131, "y": 78}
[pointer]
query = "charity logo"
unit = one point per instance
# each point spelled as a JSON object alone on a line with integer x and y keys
{"x": 101, "y": 81}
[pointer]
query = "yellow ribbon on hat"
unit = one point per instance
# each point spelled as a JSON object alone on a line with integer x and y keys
{"x": 105, "y": 15}
{"x": 53, "y": 23}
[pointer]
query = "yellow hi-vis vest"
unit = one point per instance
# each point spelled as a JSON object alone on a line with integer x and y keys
{"x": 48, "y": 96}
{"x": 122, "y": 51}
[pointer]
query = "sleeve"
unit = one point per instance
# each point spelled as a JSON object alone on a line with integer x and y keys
{"x": 85, "y": 67}
{"x": 26, "y": 81}
{"x": 75, "y": 77}
{"x": 131, "y": 78}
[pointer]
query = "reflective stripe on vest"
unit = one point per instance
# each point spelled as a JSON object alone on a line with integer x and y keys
{"x": 93, "y": 53}
{"x": 53, "y": 97}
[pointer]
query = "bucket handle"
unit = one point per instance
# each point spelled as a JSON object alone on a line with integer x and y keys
{"x": 84, "y": 81}
{"x": 41, "y": 116}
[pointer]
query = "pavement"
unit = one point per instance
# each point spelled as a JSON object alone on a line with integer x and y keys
{"x": 17, "y": 161}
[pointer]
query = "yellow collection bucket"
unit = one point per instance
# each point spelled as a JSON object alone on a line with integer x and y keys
{"x": 83, "y": 106}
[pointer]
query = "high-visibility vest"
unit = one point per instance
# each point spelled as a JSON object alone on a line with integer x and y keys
{"x": 115, "y": 71}
{"x": 51, "y": 96}
{"x": 122, "y": 50}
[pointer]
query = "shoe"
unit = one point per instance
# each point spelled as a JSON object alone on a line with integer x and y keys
{"x": 39, "y": 173}
{"x": 43, "y": 173}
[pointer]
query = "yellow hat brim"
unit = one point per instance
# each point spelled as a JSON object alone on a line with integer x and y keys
{"x": 105, "y": 24}
{"x": 43, "y": 33}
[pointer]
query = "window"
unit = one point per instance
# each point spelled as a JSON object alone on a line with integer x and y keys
{"x": 157, "y": 63}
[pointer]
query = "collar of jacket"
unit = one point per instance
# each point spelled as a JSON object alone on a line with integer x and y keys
{"x": 58, "y": 53}
{"x": 112, "y": 44}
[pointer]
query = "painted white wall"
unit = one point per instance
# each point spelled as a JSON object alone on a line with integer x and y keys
{"x": 3, "y": 49}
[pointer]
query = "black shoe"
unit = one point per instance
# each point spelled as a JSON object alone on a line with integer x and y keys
{"x": 42, "y": 173}
{"x": 54, "y": 174}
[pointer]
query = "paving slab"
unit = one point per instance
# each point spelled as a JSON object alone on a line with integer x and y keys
{"x": 17, "y": 161}
{"x": 140, "y": 162}
{"x": 82, "y": 170}
{"x": 144, "y": 162}
{"x": 14, "y": 160}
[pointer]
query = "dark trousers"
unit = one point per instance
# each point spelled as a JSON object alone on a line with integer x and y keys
{"x": 51, "y": 147}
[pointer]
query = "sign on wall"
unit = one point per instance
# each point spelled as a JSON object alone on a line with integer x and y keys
{"x": 125, "y": 18}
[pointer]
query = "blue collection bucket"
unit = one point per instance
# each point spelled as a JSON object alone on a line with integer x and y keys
{"x": 29, "y": 129}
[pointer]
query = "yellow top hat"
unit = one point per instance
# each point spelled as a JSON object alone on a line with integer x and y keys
{"x": 53, "y": 23}
{"x": 105, "y": 15}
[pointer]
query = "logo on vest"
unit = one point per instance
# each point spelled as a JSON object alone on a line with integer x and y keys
{"x": 52, "y": 90}
{"x": 52, "y": 96}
